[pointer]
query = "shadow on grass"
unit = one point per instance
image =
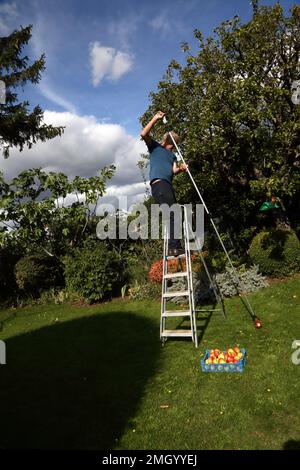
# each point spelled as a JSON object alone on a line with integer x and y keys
{"x": 76, "y": 385}
{"x": 291, "y": 445}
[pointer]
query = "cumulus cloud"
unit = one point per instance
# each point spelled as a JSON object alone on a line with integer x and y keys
{"x": 107, "y": 62}
{"x": 86, "y": 146}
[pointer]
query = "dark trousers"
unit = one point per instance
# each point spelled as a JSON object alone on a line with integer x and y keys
{"x": 163, "y": 193}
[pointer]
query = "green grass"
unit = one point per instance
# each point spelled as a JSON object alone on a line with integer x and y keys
{"x": 97, "y": 376}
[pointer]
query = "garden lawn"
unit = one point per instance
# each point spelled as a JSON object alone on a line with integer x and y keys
{"x": 84, "y": 377}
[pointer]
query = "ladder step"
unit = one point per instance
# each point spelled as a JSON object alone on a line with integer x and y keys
{"x": 177, "y": 313}
{"x": 176, "y": 257}
{"x": 182, "y": 333}
{"x": 179, "y": 274}
{"x": 176, "y": 294}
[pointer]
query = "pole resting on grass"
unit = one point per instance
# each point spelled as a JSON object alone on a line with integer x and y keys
{"x": 238, "y": 282}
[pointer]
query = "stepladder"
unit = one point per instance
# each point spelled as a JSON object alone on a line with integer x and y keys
{"x": 187, "y": 316}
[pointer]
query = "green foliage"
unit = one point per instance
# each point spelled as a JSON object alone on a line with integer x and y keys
{"x": 35, "y": 273}
{"x": 94, "y": 272}
{"x": 8, "y": 258}
{"x": 231, "y": 103}
{"x": 145, "y": 291}
{"x": 19, "y": 126}
{"x": 35, "y": 214}
{"x": 277, "y": 252}
{"x": 56, "y": 296}
{"x": 250, "y": 280}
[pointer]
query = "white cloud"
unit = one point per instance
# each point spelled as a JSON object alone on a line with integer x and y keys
{"x": 122, "y": 30}
{"x": 8, "y": 11}
{"x": 56, "y": 98}
{"x": 164, "y": 24}
{"x": 86, "y": 146}
{"x": 107, "y": 62}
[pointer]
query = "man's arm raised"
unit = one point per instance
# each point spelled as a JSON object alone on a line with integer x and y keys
{"x": 145, "y": 132}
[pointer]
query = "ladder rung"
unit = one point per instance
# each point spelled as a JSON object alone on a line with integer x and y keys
{"x": 183, "y": 333}
{"x": 177, "y": 313}
{"x": 176, "y": 257}
{"x": 176, "y": 294}
{"x": 179, "y": 274}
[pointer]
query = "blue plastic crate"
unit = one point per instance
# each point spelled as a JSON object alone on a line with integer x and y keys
{"x": 228, "y": 367}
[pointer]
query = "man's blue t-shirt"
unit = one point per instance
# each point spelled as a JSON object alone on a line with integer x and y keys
{"x": 161, "y": 162}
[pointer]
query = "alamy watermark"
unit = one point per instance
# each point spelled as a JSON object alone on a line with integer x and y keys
{"x": 2, "y": 92}
{"x": 140, "y": 222}
{"x": 296, "y": 354}
{"x": 2, "y": 352}
{"x": 296, "y": 92}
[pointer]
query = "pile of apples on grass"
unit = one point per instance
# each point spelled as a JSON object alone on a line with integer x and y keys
{"x": 218, "y": 357}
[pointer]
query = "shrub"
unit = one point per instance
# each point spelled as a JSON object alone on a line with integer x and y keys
{"x": 146, "y": 291}
{"x": 277, "y": 252}
{"x": 250, "y": 281}
{"x": 8, "y": 258}
{"x": 156, "y": 271}
{"x": 35, "y": 273}
{"x": 94, "y": 272}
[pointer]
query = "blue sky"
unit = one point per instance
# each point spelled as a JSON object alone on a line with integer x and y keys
{"x": 103, "y": 58}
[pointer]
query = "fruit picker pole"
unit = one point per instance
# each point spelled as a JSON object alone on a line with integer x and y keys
{"x": 254, "y": 317}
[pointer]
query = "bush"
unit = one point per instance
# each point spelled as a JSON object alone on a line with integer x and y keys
{"x": 35, "y": 273}
{"x": 156, "y": 271}
{"x": 250, "y": 281}
{"x": 8, "y": 258}
{"x": 146, "y": 291}
{"x": 277, "y": 252}
{"x": 94, "y": 272}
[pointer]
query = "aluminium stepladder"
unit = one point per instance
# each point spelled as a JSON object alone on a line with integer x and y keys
{"x": 190, "y": 313}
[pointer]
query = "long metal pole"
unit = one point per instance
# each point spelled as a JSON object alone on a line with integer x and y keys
{"x": 254, "y": 317}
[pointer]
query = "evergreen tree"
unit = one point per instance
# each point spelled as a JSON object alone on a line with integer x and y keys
{"x": 19, "y": 126}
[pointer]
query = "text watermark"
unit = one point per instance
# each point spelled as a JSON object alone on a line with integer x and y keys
{"x": 296, "y": 354}
{"x": 2, "y": 92}
{"x": 2, "y": 352}
{"x": 141, "y": 223}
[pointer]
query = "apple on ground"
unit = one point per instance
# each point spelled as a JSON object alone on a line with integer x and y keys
{"x": 230, "y": 352}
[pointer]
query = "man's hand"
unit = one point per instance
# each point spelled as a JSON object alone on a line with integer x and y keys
{"x": 179, "y": 169}
{"x": 145, "y": 132}
{"x": 183, "y": 167}
{"x": 159, "y": 115}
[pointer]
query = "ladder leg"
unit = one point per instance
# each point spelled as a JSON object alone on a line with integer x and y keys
{"x": 190, "y": 280}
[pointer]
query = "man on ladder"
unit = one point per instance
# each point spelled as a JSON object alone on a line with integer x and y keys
{"x": 163, "y": 166}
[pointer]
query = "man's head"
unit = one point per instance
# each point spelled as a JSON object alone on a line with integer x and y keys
{"x": 167, "y": 141}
